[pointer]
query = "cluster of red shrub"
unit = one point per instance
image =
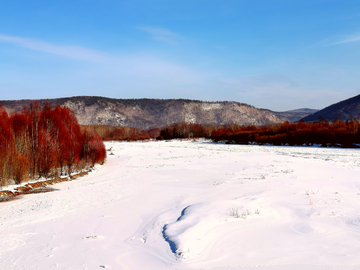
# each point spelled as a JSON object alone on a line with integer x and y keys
{"x": 336, "y": 133}
{"x": 110, "y": 133}
{"x": 45, "y": 142}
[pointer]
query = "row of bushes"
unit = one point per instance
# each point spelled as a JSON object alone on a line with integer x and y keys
{"x": 45, "y": 142}
{"x": 336, "y": 133}
{"x": 185, "y": 130}
{"x": 110, "y": 133}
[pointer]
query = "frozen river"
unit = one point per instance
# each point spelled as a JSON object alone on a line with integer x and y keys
{"x": 193, "y": 205}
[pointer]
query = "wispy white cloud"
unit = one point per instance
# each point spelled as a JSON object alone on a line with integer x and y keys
{"x": 73, "y": 52}
{"x": 140, "y": 74}
{"x": 348, "y": 39}
{"x": 162, "y": 34}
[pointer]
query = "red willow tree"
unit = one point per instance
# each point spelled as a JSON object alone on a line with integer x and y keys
{"x": 45, "y": 142}
{"x": 336, "y": 133}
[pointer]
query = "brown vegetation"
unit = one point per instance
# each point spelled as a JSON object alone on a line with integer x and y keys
{"x": 36, "y": 187}
{"x": 185, "y": 130}
{"x": 336, "y": 133}
{"x": 110, "y": 133}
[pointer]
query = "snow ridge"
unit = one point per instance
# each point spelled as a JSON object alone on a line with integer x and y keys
{"x": 201, "y": 223}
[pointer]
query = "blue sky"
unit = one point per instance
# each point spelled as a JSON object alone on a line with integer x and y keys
{"x": 274, "y": 54}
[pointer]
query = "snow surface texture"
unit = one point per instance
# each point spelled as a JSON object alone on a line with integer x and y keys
{"x": 193, "y": 205}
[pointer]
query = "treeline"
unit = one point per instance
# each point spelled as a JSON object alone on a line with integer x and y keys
{"x": 110, "y": 133}
{"x": 45, "y": 142}
{"x": 336, "y": 133}
{"x": 186, "y": 130}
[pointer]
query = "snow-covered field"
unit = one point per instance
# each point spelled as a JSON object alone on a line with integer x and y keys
{"x": 193, "y": 205}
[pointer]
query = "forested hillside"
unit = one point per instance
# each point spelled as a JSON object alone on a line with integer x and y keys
{"x": 345, "y": 110}
{"x": 146, "y": 114}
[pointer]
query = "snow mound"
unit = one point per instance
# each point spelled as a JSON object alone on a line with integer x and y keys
{"x": 201, "y": 224}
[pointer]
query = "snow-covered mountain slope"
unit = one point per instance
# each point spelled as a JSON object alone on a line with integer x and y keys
{"x": 156, "y": 113}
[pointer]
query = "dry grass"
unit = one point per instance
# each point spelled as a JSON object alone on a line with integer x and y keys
{"x": 7, "y": 195}
{"x": 37, "y": 187}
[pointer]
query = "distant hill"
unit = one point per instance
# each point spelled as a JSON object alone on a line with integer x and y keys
{"x": 344, "y": 109}
{"x": 294, "y": 115}
{"x": 155, "y": 113}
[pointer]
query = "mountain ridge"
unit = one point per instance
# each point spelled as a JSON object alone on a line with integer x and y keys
{"x": 148, "y": 113}
{"x": 344, "y": 109}
{"x": 294, "y": 115}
